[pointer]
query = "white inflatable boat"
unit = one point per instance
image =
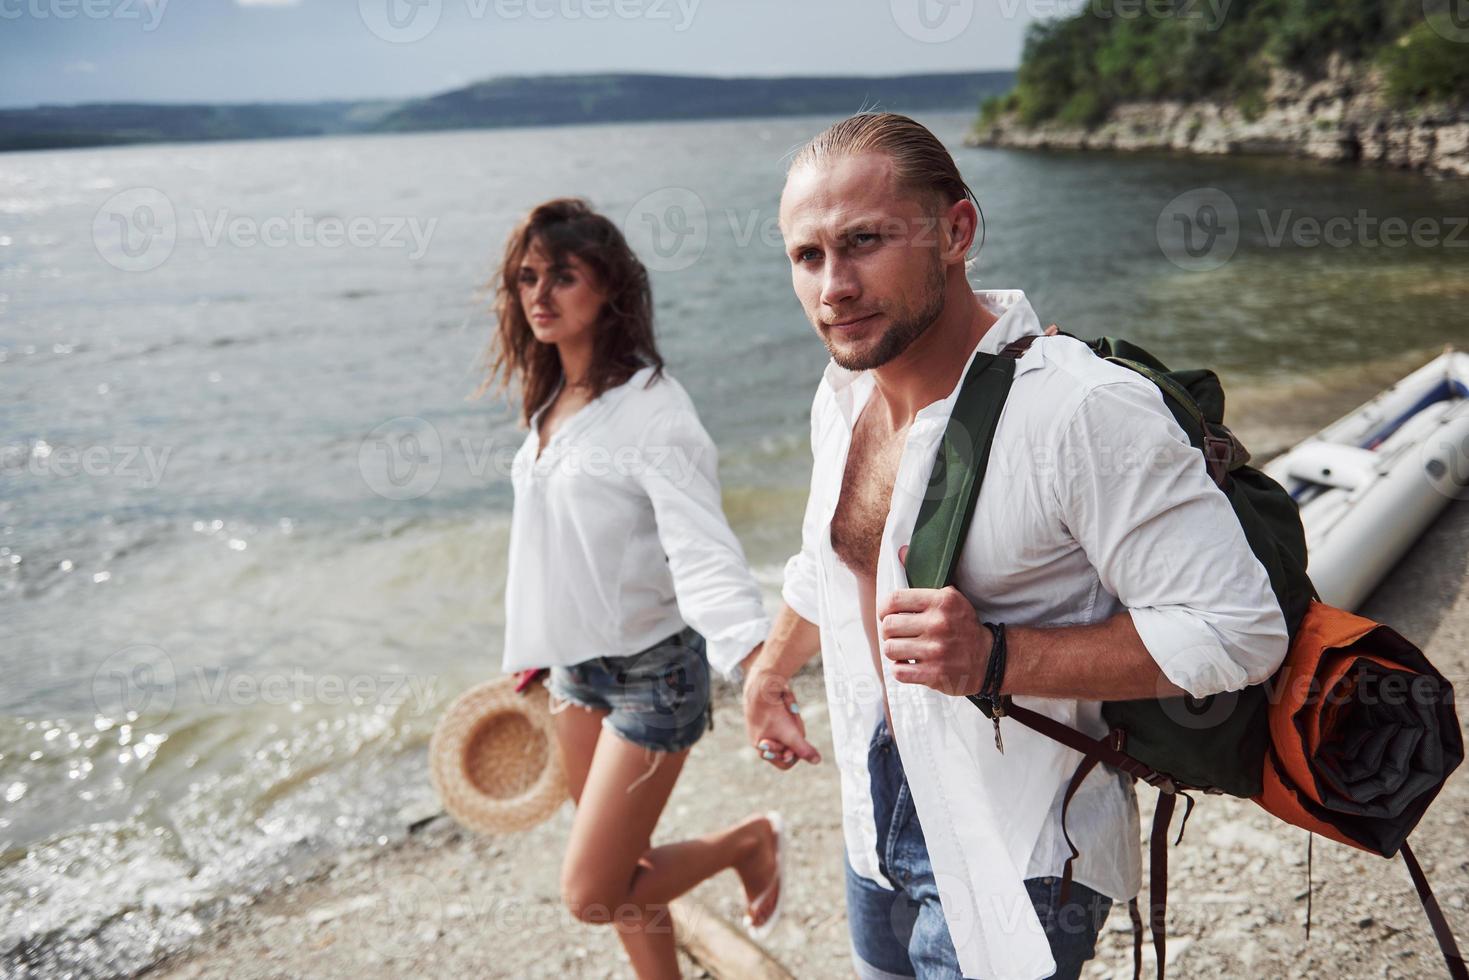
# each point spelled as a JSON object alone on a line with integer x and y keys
{"x": 1370, "y": 483}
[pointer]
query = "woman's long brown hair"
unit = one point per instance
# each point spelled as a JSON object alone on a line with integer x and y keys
{"x": 623, "y": 341}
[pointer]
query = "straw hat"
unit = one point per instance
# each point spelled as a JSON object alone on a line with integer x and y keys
{"x": 493, "y": 758}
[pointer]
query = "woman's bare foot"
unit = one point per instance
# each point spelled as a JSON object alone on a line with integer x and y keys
{"x": 757, "y": 868}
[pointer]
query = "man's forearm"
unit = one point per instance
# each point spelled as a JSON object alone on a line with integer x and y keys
{"x": 792, "y": 642}
{"x": 772, "y": 714}
{"x": 1104, "y": 661}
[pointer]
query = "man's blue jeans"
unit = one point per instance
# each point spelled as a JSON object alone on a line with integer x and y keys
{"x": 902, "y": 933}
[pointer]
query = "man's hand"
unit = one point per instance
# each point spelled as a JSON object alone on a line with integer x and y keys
{"x": 934, "y": 638}
{"x": 773, "y": 721}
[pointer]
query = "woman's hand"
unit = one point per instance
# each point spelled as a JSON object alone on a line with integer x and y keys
{"x": 773, "y": 721}
{"x": 525, "y": 678}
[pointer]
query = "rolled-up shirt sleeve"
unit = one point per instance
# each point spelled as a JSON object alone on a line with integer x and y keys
{"x": 800, "y": 588}
{"x": 1166, "y": 542}
{"x": 716, "y": 593}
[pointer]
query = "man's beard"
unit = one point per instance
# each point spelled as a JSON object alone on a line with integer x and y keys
{"x": 905, "y": 329}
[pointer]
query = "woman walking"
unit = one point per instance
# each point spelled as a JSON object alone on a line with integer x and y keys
{"x": 624, "y": 577}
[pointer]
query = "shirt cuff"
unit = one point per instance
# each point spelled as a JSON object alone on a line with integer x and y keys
{"x": 799, "y": 588}
{"x": 734, "y": 645}
{"x": 1187, "y": 651}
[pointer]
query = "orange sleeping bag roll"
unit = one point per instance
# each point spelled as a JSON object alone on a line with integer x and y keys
{"x": 1363, "y": 732}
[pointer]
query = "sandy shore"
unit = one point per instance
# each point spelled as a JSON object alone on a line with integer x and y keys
{"x": 450, "y": 904}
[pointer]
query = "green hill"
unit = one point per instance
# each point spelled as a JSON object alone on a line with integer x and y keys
{"x": 50, "y": 127}
{"x": 1075, "y": 70}
{"x": 572, "y": 99}
{"x": 533, "y": 101}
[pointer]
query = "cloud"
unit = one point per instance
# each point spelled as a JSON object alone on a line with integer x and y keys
{"x": 80, "y": 68}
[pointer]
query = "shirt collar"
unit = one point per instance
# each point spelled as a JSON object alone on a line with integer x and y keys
{"x": 611, "y": 395}
{"x": 1016, "y": 319}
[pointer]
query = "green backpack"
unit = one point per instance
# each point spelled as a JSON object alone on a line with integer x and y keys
{"x": 1216, "y": 744}
{"x": 1213, "y": 744}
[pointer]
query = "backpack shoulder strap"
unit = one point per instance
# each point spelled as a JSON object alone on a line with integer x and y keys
{"x": 938, "y": 537}
{"x": 953, "y": 486}
{"x": 1441, "y": 931}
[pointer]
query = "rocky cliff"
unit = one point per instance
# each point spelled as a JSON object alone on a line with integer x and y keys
{"x": 1343, "y": 115}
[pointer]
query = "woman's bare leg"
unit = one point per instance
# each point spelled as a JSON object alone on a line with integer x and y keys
{"x": 669, "y": 871}
{"x": 577, "y": 729}
{"x": 611, "y": 876}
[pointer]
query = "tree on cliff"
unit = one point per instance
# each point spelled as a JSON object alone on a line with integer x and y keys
{"x": 1075, "y": 69}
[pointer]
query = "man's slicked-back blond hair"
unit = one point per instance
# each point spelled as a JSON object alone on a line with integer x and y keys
{"x": 921, "y": 162}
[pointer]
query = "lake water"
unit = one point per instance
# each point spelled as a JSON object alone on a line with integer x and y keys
{"x": 252, "y": 528}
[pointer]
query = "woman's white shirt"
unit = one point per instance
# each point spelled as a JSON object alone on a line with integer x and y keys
{"x": 618, "y": 537}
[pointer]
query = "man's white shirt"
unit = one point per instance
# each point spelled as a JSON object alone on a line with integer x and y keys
{"x": 1093, "y": 502}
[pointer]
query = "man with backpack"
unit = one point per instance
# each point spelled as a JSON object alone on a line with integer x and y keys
{"x": 1101, "y": 564}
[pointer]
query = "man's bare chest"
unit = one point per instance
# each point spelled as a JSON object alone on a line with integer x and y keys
{"x": 866, "y": 495}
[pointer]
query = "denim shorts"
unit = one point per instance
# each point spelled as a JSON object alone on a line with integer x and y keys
{"x": 657, "y": 698}
{"x": 903, "y": 933}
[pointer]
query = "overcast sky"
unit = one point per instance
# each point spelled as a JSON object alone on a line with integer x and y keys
{"x": 66, "y": 51}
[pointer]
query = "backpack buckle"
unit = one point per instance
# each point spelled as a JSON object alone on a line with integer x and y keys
{"x": 1161, "y": 782}
{"x": 1218, "y": 454}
